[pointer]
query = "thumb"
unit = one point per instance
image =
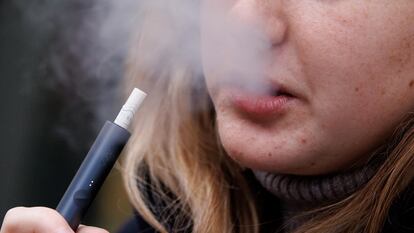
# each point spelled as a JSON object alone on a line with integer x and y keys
{"x": 89, "y": 229}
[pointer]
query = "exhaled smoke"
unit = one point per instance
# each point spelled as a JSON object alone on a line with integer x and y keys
{"x": 98, "y": 35}
{"x": 205, "y": 34}
{"x": 84, "y": 45}
{"x": 91, "y": 39}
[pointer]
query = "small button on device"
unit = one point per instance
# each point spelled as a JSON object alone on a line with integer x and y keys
{"x": 82, "y": 198}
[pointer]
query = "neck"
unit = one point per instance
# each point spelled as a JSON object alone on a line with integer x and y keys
{"x": 300, "y": 193}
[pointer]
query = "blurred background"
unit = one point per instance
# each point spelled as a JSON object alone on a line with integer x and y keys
{"x": 61, "y": 66}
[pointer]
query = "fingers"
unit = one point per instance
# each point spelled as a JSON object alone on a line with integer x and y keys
{"x": 89, "y": 229}
{"x": 40, "y": 220}
{"x": 34, "y": 220}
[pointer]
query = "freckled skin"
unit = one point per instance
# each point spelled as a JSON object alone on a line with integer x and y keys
{"x": 349, "y": 60}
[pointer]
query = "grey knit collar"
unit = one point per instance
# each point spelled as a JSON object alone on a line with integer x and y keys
{"x": 317, "y": 189}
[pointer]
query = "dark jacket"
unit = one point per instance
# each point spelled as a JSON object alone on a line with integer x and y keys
{"x": 400, "y": 218}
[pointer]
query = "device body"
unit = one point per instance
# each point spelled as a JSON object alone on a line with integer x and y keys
{"x": 92, "y": 173}
{"x": 99, "y": 162}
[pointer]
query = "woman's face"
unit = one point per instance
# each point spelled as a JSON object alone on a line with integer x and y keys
{"x": 317, "y": 85}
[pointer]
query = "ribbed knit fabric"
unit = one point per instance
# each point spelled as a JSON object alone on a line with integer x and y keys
{"x": 301, "y": 193}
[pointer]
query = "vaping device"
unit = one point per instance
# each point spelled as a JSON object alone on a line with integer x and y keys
{"x": 98, "y": 162}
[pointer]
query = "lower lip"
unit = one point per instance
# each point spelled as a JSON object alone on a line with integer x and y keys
{"x": 260, "y": 105}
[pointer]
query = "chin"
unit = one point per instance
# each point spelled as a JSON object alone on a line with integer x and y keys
{"x": 271, "y": 158}
{"x": 276, "y": 163}
{"x": 276, "y": 156}
{"x": 283, "y": 147}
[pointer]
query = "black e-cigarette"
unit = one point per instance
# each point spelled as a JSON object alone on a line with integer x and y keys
{"x": 98, "y": 162}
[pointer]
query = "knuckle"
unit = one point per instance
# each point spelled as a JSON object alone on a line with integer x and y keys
{"x": 44, "y": 211}
{"x": 53, "y": 217}
{"x": 91, "y": 229}
{"x": 11, "y": 219}
{"x": 101, "y": 231}
{"x": 14, "y": 211}
{"x": 19, "y": 218}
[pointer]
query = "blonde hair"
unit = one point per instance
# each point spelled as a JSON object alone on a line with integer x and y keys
{"x": 175, "y": 155}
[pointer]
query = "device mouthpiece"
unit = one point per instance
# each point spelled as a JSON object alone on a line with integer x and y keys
{"x": 128, "y": 110}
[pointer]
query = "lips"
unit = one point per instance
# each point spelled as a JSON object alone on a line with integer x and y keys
{"x": 274, "y": 102}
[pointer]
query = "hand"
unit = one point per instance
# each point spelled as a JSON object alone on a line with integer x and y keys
{"x": 40, "y": 220}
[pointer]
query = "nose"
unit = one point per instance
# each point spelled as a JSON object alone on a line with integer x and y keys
{"x": 265, "y": 15}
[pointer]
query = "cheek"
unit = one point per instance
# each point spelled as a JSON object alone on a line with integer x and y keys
{"x": 360, "y": 70}
{"x": 357, "y": 56}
